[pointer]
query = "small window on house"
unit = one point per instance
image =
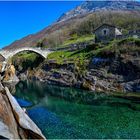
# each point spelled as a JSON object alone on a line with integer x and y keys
{"x": 105, "y": 32}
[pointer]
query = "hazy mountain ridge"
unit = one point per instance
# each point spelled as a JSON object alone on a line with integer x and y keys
{"x": 92, "y": 6}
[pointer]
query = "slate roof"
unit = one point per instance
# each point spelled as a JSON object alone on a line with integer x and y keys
{"x": 103, "y": 25}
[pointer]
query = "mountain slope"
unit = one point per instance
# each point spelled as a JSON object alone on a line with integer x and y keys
{"x": 81, "y": 24}
{"x": 92, "y": 6}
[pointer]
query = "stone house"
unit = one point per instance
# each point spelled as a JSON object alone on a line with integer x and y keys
{"x": 106, "y": 33}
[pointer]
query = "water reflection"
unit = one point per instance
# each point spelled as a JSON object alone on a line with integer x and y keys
{"x": 36, "y": 91}
{"x": 60, "y": 112}
{"x": 29, "y": 91}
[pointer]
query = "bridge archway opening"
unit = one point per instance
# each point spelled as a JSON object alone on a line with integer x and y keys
{"x": 28, "y": 51}
{"x": 25, "y": 60}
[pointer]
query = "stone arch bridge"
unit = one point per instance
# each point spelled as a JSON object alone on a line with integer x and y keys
{"x": 9, "y": 53}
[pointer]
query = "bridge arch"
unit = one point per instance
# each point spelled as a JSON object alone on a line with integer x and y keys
{"x": 20, "y": 51}
{"x": 10, "y": 53}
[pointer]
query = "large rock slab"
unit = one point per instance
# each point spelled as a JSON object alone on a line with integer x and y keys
{"x": 31, "y": 129}
{"x": 14, "y": 122}
{"x": 8, "y": 124}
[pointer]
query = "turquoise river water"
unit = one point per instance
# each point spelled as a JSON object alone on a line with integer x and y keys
{"x": 68, "y": 113}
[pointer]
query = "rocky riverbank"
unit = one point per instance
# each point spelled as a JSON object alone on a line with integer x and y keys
{"x": 114, "y": 68}
{"x": 14, "y": 122}
{"x": 108, "y": 69}
{"x": 97, "y": 79}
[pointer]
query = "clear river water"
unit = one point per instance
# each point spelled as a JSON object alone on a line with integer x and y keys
{"x": 68, "y": 113}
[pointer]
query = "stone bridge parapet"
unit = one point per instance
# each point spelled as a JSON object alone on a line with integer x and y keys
{"x": 9, "y": 53}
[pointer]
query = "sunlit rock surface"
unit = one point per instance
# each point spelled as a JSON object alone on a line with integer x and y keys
{"x": 14, "y": 122}
{"x": 10, "y": 75}
{"x": 8, "y": 124}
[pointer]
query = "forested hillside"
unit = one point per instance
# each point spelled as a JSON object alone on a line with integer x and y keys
{"x": 70, "y": 31}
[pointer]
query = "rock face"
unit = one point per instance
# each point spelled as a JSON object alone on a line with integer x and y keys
{"x": 62, "y": 76}
{"x": 22, "y": 77}
{"x": 32, "y": 131}
{"x": 14, "y": 122}
{"x": 10, "y": 74}
{"x": 8, "y": 125}
{"x": 117, "y": 73}
{"x": 120, "y": 73}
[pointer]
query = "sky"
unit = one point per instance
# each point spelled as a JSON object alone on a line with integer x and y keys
{"x": 21, "y": 18}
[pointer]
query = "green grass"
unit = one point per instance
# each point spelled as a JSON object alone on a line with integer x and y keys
{"x": 60, "y": 56}
{"x": 26, "y": 60}
{"x": 116, "y": 46}
{"x": 119, "y": 47}
{"x": 78, "y": 39}
{"x": 80, "y": 55}
{"x": 76, "y": 57}
{"x": 81, "y": 58}
{"x": 30, "y": 56}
